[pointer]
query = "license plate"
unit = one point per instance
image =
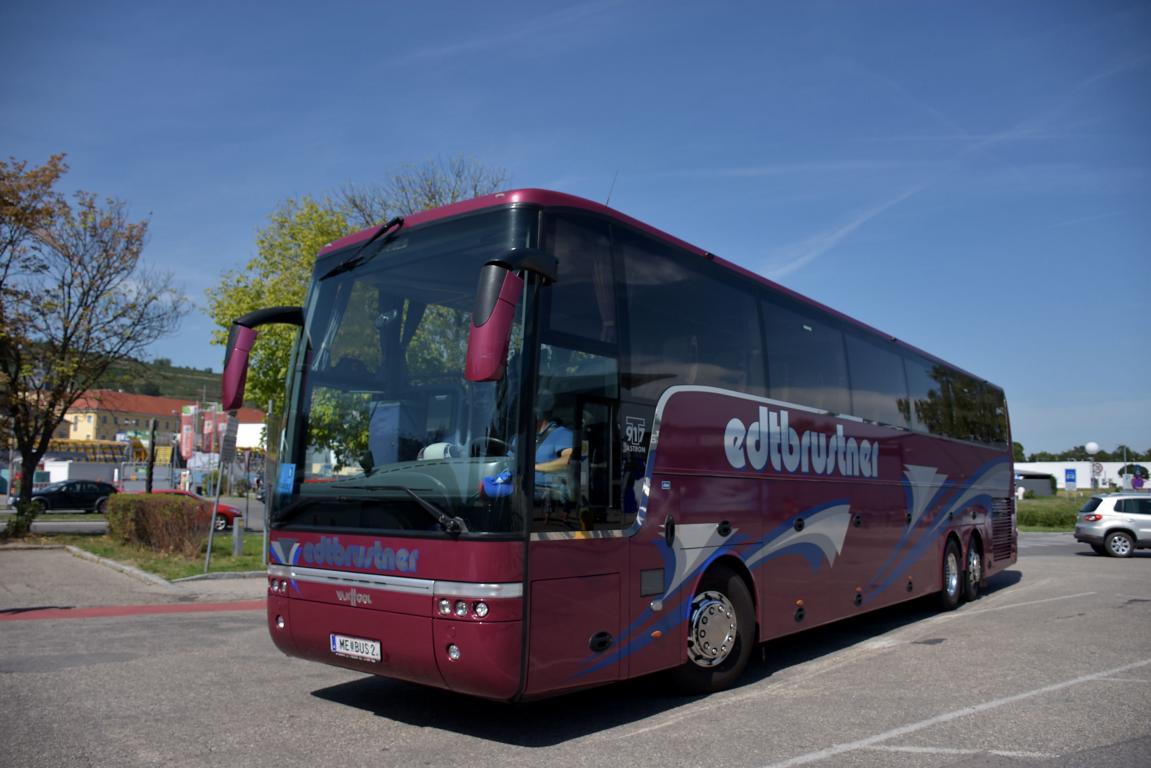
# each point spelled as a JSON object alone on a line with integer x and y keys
{"x": 356, "y": 647}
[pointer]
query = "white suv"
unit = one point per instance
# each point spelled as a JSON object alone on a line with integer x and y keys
{"x": 1115, "y": 524}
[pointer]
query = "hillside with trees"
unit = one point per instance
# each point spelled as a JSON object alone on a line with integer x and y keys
{"x": 162, "y": 379}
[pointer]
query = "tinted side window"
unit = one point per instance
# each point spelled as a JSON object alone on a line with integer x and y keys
{"x": 878, "y": 384}
{"x": 994, "y": 406}
{"x": 1091, "y": 505}
{"x": 1142, "y": 506}
{"x": 582, "y": 300}
{"x": 686, "y": 326}
{"x": 930, "y": 396}
{"x": 806, "y": 363}
{"x": 969, "y": 419}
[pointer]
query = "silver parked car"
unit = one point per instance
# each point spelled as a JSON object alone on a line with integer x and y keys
{"x": 1115, "y": 524}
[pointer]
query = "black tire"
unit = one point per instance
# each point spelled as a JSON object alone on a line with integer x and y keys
{"x": 101, "y": 506}
{"x": 221, "y": 523}
{"x": 717, "y": 658}
{"x": 952, "y": 573}
{"x": 38, "y": 506}
{"x": 973, "y": 573}
{"x": 1119, "y": 544}
{"x": 1099, "y": 549}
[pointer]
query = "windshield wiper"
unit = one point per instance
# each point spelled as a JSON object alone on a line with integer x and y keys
{"x": 446, "y": 521}
{"x": 358, "y": 258}
{"x": 449, "y": 523}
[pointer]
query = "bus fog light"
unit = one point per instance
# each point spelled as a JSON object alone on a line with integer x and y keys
{"x": 445, "y": 607}
{"x": 453, "y": 652}
{"x": 461, "y": 608}
{"x": 481, "y": 609}
{"x": 280, "y": 622}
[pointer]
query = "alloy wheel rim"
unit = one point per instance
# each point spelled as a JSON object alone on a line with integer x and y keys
{"x": 713, "y": 630}
{"x": 951, "y": 573}
{"x": 974, "y": 566}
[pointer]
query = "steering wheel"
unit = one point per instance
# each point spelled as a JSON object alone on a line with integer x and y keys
{"x": 486, "y": 446}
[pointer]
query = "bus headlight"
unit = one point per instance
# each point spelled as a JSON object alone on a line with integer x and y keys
{"x": 445, "y": 607}
{"x": 461, "y": 608}
{"x": 453, "y": 652}
{"x": 481, "y": 609}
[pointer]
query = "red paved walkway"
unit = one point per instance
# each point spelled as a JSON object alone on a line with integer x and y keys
{"x": 27, "y": 614}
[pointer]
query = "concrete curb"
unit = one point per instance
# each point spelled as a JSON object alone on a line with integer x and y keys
{"x": 22, "y": 546}
{"x": 222, "y": 575}
{"x": 122, "y": 568}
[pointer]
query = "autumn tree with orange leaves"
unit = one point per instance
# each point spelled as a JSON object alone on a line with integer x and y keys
{"x": 74, "y": 298}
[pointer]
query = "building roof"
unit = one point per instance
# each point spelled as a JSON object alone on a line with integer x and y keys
{"x": 160, "y": 407}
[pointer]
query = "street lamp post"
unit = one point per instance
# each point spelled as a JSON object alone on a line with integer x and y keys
{"x": 1092, "y": 448}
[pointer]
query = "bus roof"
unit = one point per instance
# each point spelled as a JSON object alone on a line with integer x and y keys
{"x": 550, "y": 199}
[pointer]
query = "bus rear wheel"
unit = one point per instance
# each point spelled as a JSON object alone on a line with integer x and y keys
{"x": 973, "y": 574}
{"x": 720, "y": 633}
{"x": 952, "y": 577}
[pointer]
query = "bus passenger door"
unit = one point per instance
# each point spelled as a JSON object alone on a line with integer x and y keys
{"x": 653, "y": 640}
{"x": 578, "y": 563}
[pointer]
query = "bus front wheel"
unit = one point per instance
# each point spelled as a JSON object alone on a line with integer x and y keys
{"x": 720, "y": 633}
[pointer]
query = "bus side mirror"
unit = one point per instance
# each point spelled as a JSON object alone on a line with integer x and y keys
{"x": 241, "y": 337}
{"x": 240, "y": 341}
{"x": 497, "y": 296}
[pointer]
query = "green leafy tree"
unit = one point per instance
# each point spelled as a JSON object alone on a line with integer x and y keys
{"x": 277, "y": 275}
{"x": 1079, "y": 453}
{"x": 1017, "y": 450}
{"x": 287, "y": 249}
{"x": 74, "y": 299}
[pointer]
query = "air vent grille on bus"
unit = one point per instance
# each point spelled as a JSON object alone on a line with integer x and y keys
{"x": 1002, "y": 527}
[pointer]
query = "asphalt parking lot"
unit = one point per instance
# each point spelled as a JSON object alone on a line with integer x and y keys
{"x": 1052, "y": 667}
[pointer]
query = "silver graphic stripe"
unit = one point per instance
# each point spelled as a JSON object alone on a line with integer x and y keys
{"x": 400, "y": 584}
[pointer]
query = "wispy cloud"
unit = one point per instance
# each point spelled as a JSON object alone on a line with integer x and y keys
{"x": 780, "y": 169}
{"x": 790, "y": 258}
{"x": 1086, "y": 219}
{"x": 532, "y": 29}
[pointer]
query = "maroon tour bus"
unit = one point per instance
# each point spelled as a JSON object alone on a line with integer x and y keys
{"x": 716, "y": 460}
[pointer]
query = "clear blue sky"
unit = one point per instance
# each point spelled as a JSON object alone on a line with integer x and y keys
{"x": 972, "y": 177}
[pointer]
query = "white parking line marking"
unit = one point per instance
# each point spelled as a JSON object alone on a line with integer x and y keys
{"x": 980, "y": 610}
{"x": 950, "y": 751}
{"x": 903, "y": 730}
{"x": 1140, "y": 680}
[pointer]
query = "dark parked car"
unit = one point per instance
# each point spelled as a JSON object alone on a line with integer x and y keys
{"x": 88, "y": 495}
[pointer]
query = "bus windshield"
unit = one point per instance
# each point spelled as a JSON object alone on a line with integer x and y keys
{"x": 386, "y": 433}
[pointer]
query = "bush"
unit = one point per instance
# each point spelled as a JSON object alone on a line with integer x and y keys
{"x": 159, "y": 522}
{"x": 1038, "y": 517}
{"x": 20, "y": 524}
